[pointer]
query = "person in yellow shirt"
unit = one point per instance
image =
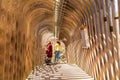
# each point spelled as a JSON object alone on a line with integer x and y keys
{"x": 57, "y": 50}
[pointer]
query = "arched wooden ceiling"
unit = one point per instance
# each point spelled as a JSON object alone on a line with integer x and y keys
{"x": 73, "y": 14}
{"x": 41, "y": 13}
{"x": 39, "y": 16}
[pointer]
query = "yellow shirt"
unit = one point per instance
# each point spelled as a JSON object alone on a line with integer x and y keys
{"x": 57, "y": 47}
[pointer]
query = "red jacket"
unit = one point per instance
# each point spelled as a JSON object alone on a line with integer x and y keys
{"x": 49, "y": 51}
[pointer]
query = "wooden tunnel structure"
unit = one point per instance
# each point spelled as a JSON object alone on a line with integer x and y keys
{"x": 90, "y": 30}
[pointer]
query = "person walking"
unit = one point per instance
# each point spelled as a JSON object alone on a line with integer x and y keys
{"x": 57, "y": 49}
{"x": 49, "y": 53}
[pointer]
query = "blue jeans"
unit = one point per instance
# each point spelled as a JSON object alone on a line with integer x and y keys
{"x": 57, "y": 55}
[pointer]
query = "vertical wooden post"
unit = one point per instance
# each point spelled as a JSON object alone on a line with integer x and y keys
{"x": 105, "y": 23}
{"x": 116, "y": 17}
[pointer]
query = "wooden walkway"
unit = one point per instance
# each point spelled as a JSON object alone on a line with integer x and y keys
{"x": 59, "y": 72}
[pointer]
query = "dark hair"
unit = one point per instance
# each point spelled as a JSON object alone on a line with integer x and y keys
{"x": 58, "y": 42}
